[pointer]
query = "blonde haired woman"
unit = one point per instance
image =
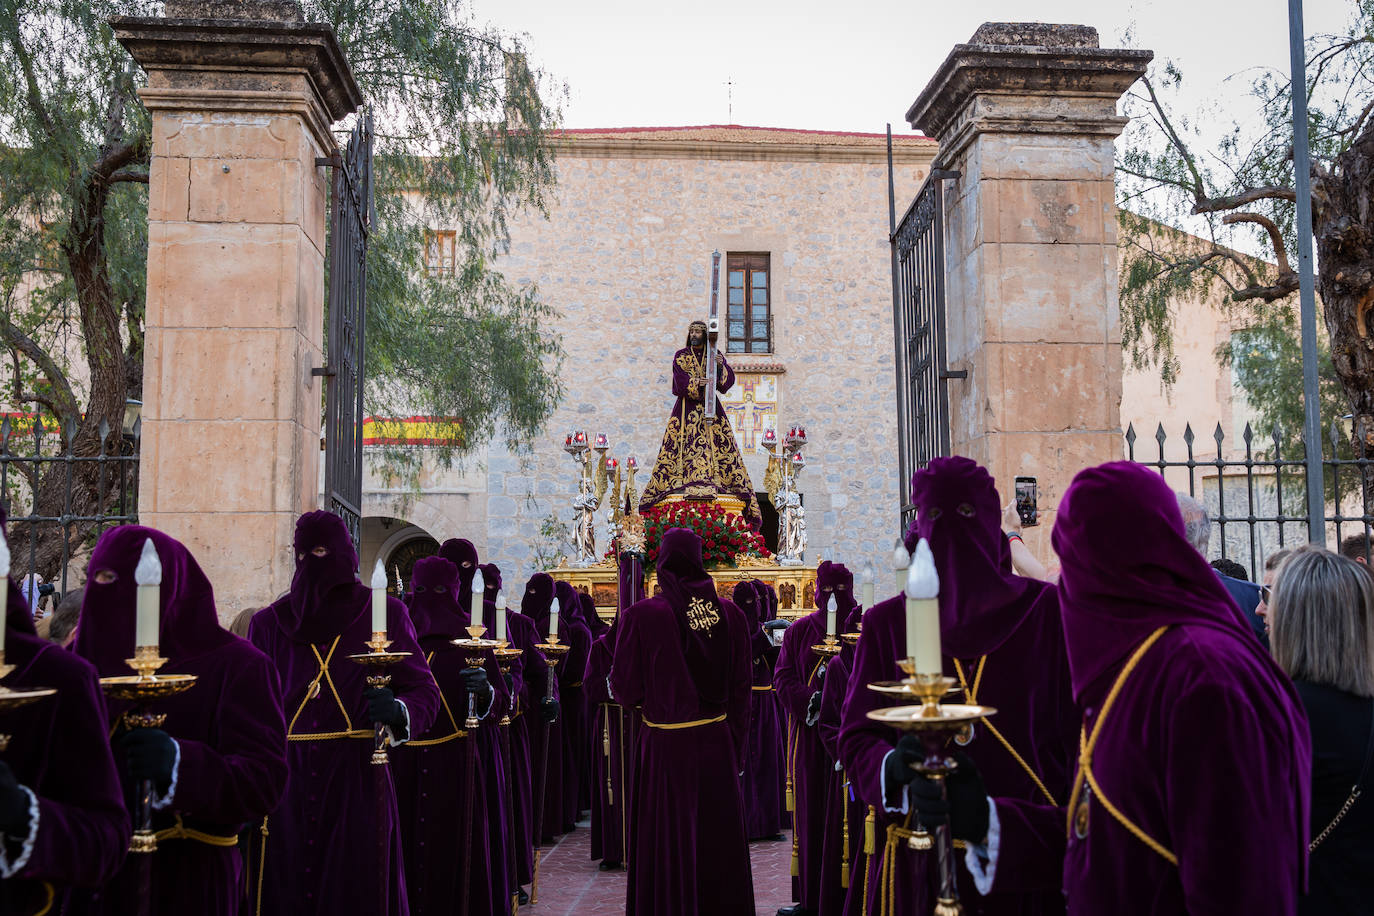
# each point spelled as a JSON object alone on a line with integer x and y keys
{"x": 1321, "y": 617}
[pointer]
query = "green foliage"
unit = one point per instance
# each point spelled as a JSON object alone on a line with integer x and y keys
{"x": 554, "y": 543}
{"x": 462, "y": 129}
{"x": 1233, "y": 191}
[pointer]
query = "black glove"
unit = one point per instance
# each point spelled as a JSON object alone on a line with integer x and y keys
{"x": 149, "y": 753}
{"x": 384, "y": 708}
{"x": 510, "y": 681}
{"x": 14, "y": 804}
{"x": 475, "y": 680}
{"x": 897, "y": 771}
{"x": 778, "y": 624}
{"x": 965, "y": 807}
{"x": 813, "y": 708}
{"x": 548, "y": 708}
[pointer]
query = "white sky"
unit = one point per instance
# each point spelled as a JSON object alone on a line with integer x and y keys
{"x": 851, "y": 64}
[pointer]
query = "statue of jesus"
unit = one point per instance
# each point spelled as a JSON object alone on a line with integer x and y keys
{"x": 700, "y": 460}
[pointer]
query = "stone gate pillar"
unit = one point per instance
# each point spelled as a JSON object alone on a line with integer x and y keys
{"x": 1026, "y": 112}
{"x": 242, "y": 94}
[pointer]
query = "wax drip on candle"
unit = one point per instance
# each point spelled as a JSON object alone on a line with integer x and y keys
{"x": 500, "y": 601}
{"x": 830, "y": 608}
{"x": 147, "y": 572}
{"x": 866, "y": 586}
{"x": 379, "y": 575}
{"x": 479, "y": 583}
{"x": 901, "y": 559}
{"x": 554, "y": 611}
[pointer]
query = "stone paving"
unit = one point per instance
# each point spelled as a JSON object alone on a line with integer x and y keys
{"x": 570, "y": 884}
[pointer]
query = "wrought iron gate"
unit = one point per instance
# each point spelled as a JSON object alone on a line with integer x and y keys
{"x": 918, "y": 329}
{"x": 352, "y": 215}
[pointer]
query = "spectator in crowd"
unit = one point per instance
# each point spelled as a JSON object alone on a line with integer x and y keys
{"x": 1023, "y": 562}
{"x": 239, "y": 625}
{"x": 1322, "y": 620}
{"x": 1229, "y": 567}
{"x": 1271, "y": 569}
{"x": 60, "y": 625}
{"x": 1356, "y": 547}
{"x": 1197, "y": 526}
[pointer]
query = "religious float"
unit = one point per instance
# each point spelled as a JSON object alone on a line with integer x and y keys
{"x": 699, "y": 482}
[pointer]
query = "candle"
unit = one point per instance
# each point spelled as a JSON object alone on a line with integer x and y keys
{"x": 866, "y": 586}
{"x": 632, "y": 463}
{"x": 568, "y": 441}
{"x": 923, "y": 612}
{"x": 830, "y": 608}
{"x": 379, "y": 599}
{"x": 479, "y": 585}
{"x": 553, "y": 620}
{"x": 900, "y": 561}
{"x": 501, "y": 616}
{"x": 148, "y": 578}
{"x": 601, "y": 441}
{"x": 4, "y": 590}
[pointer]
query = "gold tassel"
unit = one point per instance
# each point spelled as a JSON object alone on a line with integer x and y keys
{"x": 796, "y": 865}
{"x": 844, "y": 875}
{"x": 844, "y": 837}
{"x": 791, "y": 799}
{"x": 870, "y": 831}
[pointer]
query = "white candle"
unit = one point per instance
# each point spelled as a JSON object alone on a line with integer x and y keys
{"x": 479, "y": 586}
{"x": 501, "y": 616}
{"x": 830, "y": 608}
{"x": 923, "y": 612}
{"x": 379, "y": 599}
{"x": 4, "y": 590}
{"x": 148, "y": 578}
{"x": 866, "y": 586}
{"x": 553, "y": 618}
{"x": 900, "y": 561}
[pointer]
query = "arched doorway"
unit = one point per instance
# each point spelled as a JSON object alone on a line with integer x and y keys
{"x": 399, "y": 553}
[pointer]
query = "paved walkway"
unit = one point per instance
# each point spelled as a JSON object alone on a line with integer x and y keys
{"x": 570, "y": 884}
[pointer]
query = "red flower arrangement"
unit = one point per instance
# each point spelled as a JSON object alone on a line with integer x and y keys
{"x": 724, "y": 535}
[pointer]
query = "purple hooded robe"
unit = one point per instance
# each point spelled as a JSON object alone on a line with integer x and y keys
{"x": 1205, "y": 748}
{"x": 230, "y": 765}
{"x": 546, "y": 738}
{"x": 576, "y": 741}
{"x": 797, "y": 677}
{"x": 335, "y": 835}
{"x": 763, "y": 755}
{"x": 530, "y": 674}
{"x": 837, "y": 856}
{"x": 59, "y": 749}
{"x": 1000, "y": 632}
{"x": 452, "y": 775}
{"x": 610, "y": 754}
{"x": 683, "y": 658}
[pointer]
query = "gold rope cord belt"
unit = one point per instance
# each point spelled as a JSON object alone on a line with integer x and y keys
{"x": 445, "y": 739}
{"x": 887, "y": 873}
{"x": 766, "y": 688}
{"x": 695, "y": 723}
{"x": 180, "y": 831}
{"x": 971, "y": 697}
{"x": 313, "y": 690}
{"x": 1086, "y": 745}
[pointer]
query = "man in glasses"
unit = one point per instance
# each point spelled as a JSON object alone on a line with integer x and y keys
{"x": 1198, "y": 529}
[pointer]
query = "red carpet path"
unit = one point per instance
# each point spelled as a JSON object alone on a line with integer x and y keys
{"x": 571, "y": 885}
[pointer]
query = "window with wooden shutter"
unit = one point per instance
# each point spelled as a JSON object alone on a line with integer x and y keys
{"x": 441, "y": 252}
{"x": 748, "y": 303}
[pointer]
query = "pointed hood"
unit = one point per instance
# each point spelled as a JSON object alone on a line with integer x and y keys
{"x": 691, "y": 593}
{"x": 188, "y": 624}
{"x": 434, "y": 609}
{"x": 537, "y": 600}
{"x": 463, "y": 555}
{"x": 748, "y": 597}
{"x": 326, "y": 596}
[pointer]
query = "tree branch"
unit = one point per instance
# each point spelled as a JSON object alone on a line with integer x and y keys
{"x": 1248, "y": 196}
{"x": 1275, "y": 237}
{"x": 1199, "y": 189}
{"x": 67, "y": 406}
{"x": 130, "y": 175}
{"x": 1286, "y": 286}
{"x": 35, "y": 94}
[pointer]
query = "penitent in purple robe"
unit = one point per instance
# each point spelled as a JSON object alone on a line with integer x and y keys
{"x": 798, "y": 677}
{"x": 546, "y": 738}
{"x": 698, "y": 459}
{"x": 763, "y": 755}
{"x": 531, "y": 681}
{"x": 999, "y": 632}
{"x": 610, "y": 755}
{"x": 573, "y": 708}
{"x": 230, "y": 765}
{"x": 333, "y": 843}
{"x": 683, "y": 658}
{"x": 451, "y": 780}
{"x": 1205, "y": 749}
{"x": 59, "y": 749}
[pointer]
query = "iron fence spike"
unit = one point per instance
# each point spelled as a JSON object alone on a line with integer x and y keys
{"x": 1218, "y": 434}
{"x": 1160, "y": 435}
{"x": 1188, "y": 434}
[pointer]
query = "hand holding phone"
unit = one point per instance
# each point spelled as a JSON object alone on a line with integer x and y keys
{"x": 1026, "y": 502}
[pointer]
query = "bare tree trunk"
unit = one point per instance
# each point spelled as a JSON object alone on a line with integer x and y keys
{"x": 1343, "y": 223}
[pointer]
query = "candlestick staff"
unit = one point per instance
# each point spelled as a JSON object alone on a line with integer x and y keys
{"x": 476, "y": 651}
{"x": 553, "y": 653}
{"x": 505, "y": 659}
{"x": 934, "y": 722}
{"x": 140, "y": 691}
{"x": 377, "y": 660}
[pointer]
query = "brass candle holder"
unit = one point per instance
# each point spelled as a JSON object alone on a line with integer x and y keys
{"x": 13, "y": 699}
{"x": 477, "y": 649}
{"x": 377, "y": 661}
{"x": 505, "y": 657}
{"x": 851, "y": 639}
{"x": 935, "y": 723}
{"x": 827, "y": 649}
{"x": 140, "y": 690}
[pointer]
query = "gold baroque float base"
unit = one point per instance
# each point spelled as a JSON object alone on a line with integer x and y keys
{"x": 795, "y": 585}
